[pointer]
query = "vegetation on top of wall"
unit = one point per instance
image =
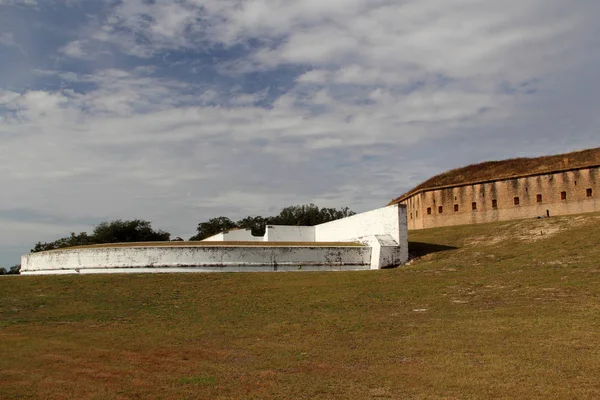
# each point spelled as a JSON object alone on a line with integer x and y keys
{"x": 302, "y": 215}
{"x": 493, "y": 170}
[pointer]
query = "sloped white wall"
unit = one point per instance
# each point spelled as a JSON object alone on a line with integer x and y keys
{"x": 235, "y": 235}
{"x": 286, "y": 233}
{"x": 389, "y": 220}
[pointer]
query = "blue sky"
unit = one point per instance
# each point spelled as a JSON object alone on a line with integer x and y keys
{"x": 179, "y": 111}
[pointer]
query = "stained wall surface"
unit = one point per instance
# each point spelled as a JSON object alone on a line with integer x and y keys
{"x": 382, "y": 232}
{"x": 558, "y": 193}
{"x": 238, "y": 258}
{"x": 285, "y": 233}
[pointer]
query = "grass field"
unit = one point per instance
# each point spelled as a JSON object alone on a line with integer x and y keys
{"x": 506, "y": 310}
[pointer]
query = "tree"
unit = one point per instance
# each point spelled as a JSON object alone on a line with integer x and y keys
{"x": 309, "y": 215}
{"x": 212, "y": 227}
{"x": 118, "y": 231}
{"x": 82, "y": 239}
{"x": 305, "y": 215}
{"x": 128, "y": 231}
{"x": 14, "y": 270}
{"x": 257, "y": 225}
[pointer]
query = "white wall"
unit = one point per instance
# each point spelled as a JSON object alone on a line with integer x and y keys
{"x": 235, "y": 235}
{"x": 215, "y": 238}
{"x": 215, "y": 257}
{"x": 389, "y": 220}
{"x": 286, "y": 233}
{"x": 384, "y": 230}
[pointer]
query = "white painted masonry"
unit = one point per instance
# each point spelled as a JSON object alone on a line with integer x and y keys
{"x": 384, "y": 229}
{"x": 199, "y": 258}
{"x": 285, "y": 233}
{"x": 235, "y": 235}
{"x": 387, "y": 220}
{"x": 382, "y": 232}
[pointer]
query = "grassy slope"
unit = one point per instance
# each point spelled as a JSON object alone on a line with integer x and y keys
{"x": 503, "y": 311}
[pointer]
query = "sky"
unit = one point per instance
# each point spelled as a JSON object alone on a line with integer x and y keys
{"x": 182, "y": 110}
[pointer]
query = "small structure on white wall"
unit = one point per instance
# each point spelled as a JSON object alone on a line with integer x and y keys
{"x": 371, "y": 240}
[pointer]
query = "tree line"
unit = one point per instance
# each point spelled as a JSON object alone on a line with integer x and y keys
{"x": 120, "y": 231}
{"x": 10, "y": 271}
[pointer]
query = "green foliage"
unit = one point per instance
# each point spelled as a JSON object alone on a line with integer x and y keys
{"x": 302, "y": 215}
{"x": 117, "y": 231}
{"x": 212, "y": 227}
{"x": 14, "y": 270}
{"x": 128, "y": 231}
{"x": 309, "y": 215}
{"x": 257, "y": 224}
{"x": 81, "y": 239}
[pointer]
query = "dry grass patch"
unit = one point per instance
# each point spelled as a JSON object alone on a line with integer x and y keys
{"x": 517, "y": 319}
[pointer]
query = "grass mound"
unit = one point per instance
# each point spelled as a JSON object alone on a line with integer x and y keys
{"x": 504, "y": 310}
{"x": 495, "y": 170}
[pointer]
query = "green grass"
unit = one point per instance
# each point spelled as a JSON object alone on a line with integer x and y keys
{"x": 506, "y": 310}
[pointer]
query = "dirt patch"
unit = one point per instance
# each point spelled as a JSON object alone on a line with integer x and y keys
{"x": 531, "y": 230}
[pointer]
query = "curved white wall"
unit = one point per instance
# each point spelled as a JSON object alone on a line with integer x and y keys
{"x": 383, "y": 233}
{"x": 164, "y": 259}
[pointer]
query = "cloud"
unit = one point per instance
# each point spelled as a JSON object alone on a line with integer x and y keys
{"x": 18, "y": 2}
{"x": 77, "y": 49}
{"x": 7, "y": 39}
{"x": 179, "y": 111}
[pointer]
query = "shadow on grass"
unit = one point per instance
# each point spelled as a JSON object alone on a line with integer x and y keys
{"x": 419, "y": 249}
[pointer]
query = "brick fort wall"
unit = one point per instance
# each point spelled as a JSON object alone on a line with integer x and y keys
{"x": 556, "y": 193}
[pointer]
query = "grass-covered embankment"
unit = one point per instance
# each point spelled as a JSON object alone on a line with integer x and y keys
{"x": 506, "y": 310}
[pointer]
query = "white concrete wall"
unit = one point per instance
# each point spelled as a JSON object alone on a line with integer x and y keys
{"x": 389, "y": 220}
{"x": 286, "y": 233}
{"x": 385, "y": 252}
{"x": 209, "y": 258}
{"x": 384, "y": 230}
{"x": 219, "y": 237}
{"x": 235, "y": 235}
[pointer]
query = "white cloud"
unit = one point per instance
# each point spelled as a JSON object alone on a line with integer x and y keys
{"x": 416, "y": 86}
{"x": 18, "y": 2}
{"x": 77, "y": 49}
{"x": 7, "y": 39}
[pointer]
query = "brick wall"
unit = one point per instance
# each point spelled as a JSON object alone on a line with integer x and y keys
{"x": 558, "y": 193}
